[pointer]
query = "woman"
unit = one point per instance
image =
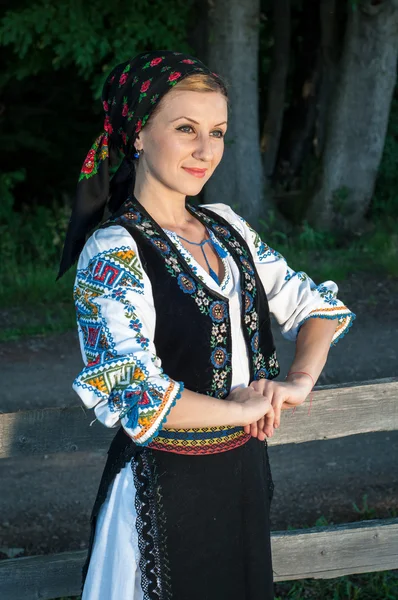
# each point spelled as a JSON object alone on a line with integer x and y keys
{"x": 173, "y": 306}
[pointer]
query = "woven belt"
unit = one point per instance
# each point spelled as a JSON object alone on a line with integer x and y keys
{"x": 206, "y": 440}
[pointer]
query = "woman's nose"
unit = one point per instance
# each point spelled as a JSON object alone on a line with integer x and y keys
{"x": 203, "y": 150}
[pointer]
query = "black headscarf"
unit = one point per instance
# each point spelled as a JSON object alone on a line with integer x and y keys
{"x": 131, "y": 92}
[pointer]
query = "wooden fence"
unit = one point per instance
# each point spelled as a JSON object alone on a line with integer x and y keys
{"x": 320, "y": 552}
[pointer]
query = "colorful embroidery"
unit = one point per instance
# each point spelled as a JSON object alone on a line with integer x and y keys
{"x": 327, "y": 295}
{"x": 263, "y": 367}
{"x": 205, "y": 440}
{"x": 262, "y": 249}
{"x": 342, "y": 314}
{"x": 122, "y": 380}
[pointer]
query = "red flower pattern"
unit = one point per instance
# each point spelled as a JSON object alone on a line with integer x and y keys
{"x": 145, "y": 86}
{"x": 125, "y": 110}
{"x": 155, "y": 61}
{"x": 89, "y": 163}
{"x": 173, "y": 76}
{"x": 105, "y": 105}
{"x": 138, "y": 128}
{"x": 107, "y": 125}
{"x": 188, "y": 61}
{"x": 123, "y": 79}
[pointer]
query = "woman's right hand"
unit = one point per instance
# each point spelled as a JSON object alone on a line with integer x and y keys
{"x": 254, "y": 406}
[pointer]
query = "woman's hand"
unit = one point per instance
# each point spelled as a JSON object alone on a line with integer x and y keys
{"x": 281, "y": 395}
{"x": 254, "y": 405}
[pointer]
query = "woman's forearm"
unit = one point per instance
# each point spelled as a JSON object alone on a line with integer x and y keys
{"x": 198, "y": 410}
{"x": 312, "y": 346}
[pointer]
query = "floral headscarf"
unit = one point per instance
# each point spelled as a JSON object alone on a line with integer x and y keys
{"x": 130, "y": 94}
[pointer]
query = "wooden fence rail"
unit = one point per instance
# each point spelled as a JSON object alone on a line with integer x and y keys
{"x": 321, "y": 552}
{"x": 336, "y": 412}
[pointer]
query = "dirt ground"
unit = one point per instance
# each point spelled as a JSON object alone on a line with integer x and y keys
{"x": 45, "y": 501}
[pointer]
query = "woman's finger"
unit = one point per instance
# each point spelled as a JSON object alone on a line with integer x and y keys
{"x": 277, "y": 406}
{"x": 260, "y": 427}
{"x": 258, "y": 385}
{"x": 269, "y": 421}
{"x": 253, "y": 429}
{"x": 277, "y": 412}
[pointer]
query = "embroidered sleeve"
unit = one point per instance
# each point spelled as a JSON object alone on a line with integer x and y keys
{"x": 292, "y": 295}
{"x": 122, "y": 379}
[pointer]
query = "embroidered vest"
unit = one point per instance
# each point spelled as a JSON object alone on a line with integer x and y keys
{"x": 193, "y": 329}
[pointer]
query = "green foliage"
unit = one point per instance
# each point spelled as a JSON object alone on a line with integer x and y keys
{"x": 7, "y": 231}
{"x": 369, "y": 586}
{"x": 91, "y": 38}
{"x": 32, "y": 235}
{"x": 31, "y": 302}
{"x": 365, "y": 511}
{"x": 330, "y": 256}
{"x": 55, "y": 57}
{"x": 7, "y": 183}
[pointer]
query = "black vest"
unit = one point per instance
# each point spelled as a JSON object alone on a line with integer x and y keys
{"x": 193, "y": 329}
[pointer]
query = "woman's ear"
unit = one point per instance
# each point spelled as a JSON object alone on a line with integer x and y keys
{"x": 138, "y": 143}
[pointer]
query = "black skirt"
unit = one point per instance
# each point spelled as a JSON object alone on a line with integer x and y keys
{"x": 203, "y": 521}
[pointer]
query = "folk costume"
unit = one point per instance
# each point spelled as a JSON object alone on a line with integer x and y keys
{"x": 180, "y": 513}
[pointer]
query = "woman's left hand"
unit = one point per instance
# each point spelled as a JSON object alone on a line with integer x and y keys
{"x": 283, "y": 395}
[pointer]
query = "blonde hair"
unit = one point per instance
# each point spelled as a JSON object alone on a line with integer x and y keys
{"x": 203, "y": 82}
{"x": 197, "y": 82}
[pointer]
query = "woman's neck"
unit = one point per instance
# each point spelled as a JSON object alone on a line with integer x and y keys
{"x": 166, "y": 207}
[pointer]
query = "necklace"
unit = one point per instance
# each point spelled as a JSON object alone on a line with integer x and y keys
{"x": 212, "y": 273}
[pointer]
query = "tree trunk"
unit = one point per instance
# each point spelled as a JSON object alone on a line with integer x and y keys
{"x": 276, "y": 85}
{"x": 302, "y": 137}
{"x": 327, "y": 17}
{"x": 233, "y": 53}
{"x": 299, "y": 118}
{"x": 197, "y": 35}
{"x": 358, "y": 116}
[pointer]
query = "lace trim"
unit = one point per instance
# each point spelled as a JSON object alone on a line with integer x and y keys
{"x": 151, "y": 520}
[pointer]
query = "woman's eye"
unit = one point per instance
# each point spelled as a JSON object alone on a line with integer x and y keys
{"x": 184, "y": 127}
{"x": 221, "y": 134}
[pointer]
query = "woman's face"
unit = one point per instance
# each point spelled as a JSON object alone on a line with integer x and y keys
{"x": 185, "y": 133}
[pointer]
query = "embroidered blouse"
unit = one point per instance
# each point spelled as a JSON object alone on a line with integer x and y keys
{"x": 123, "y": 379}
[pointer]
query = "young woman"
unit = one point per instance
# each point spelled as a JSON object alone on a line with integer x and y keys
{"x": 173, "y": 306}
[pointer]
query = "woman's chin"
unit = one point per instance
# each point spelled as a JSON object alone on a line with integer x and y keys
{"x": 194, "y": 188}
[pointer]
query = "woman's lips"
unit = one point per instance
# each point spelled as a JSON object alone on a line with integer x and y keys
{"x": 196, "y": 172}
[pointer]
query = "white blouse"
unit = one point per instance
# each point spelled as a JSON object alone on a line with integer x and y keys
{"x": 116, "y": 320}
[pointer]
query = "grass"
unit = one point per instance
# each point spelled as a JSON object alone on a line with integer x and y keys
{"x": 32, "y": 303}
{"x": 368, "y": 586}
